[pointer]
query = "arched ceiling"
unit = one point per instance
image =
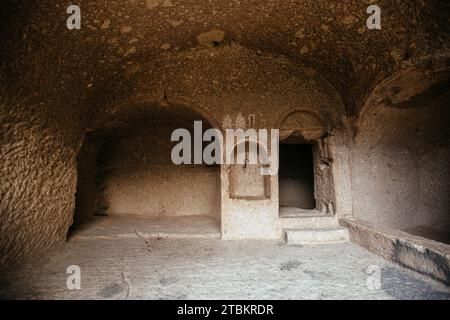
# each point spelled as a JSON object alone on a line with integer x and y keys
{"x": 41, "y": 57}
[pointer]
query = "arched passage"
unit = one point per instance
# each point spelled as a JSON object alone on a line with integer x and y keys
{"x": 400, "y": 171}
{"x": 125, "y": 172}
{"x": 305, "y": 183}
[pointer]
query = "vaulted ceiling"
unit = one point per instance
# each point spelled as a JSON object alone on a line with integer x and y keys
{"x": 41, "y": 57}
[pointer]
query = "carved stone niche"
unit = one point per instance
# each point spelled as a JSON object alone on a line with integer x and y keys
{"x": 309, "y": 125}
{"x": 246, "y": 180}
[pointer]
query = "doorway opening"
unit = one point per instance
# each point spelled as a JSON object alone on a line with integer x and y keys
{"x": 296, "y": 178}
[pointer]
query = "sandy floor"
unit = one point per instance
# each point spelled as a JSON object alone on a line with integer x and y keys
{"x": 123, "y": 264}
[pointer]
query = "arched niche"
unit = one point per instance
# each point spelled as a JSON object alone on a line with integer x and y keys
{"x": 400, "y": 172}
{"x": 125, "y": 168}
{"x": 406, "y": 89}
{"x": 246, "y": 180}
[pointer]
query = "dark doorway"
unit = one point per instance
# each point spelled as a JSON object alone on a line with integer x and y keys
{"x": 296, "y": 176}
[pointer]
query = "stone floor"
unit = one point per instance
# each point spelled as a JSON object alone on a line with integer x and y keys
{"x": 202, "y": 267}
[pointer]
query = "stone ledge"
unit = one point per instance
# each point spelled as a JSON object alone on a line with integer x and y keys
{"x": 425, "y": 256}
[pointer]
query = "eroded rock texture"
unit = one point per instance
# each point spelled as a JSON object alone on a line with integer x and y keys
{"x": 221, "y": 58}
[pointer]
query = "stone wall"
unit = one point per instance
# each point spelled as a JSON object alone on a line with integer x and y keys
{"x": 262, "y": 59}
{"x": 400, "y": 171}
{"x": 143, "y": 180}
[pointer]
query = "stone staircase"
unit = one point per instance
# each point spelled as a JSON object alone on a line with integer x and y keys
{"x": 310, "y": 227}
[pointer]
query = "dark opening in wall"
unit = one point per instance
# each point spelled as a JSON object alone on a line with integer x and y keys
{"x": 296, "y": 176}
{"x": 91, "y": 171}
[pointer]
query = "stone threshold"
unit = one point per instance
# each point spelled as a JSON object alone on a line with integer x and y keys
{"x": 425, "y": 256}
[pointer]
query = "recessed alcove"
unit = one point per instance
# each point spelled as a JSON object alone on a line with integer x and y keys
{"x": 126, "y": 170}
{"x": 246, "y": 179}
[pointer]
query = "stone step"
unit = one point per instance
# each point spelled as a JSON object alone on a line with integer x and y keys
{"x": 292, "y": 212}
{"x": 315, "y": 235}
{"x": 308, "y": 221}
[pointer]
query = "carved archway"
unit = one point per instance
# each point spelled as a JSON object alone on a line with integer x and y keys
{"x": 302, "y": 126}
{"x": 310, "y": 125}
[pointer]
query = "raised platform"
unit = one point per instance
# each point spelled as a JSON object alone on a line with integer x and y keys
{"x": 417, "y": 253}
{"x": 309, "y": 222}
{"x": 136, "y": 226}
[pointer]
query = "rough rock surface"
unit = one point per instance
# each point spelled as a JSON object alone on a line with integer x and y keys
{"x": 422, "y": 255}
{"x": 215, "y": 269}
{"x": 133, "y": 56}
